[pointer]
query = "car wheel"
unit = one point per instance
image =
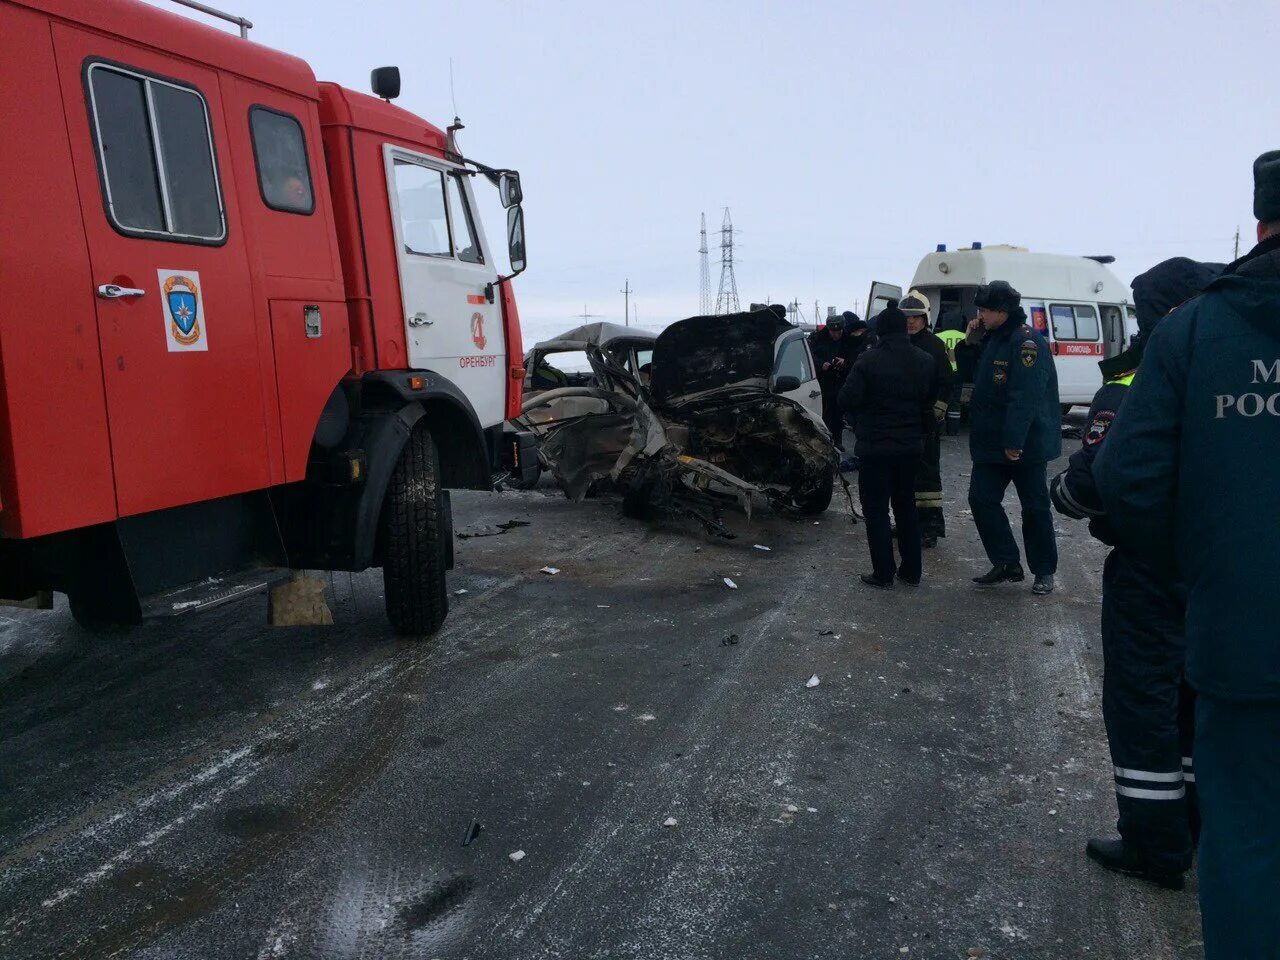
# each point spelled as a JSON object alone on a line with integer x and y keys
{"x": 819, "y": 499}
{"x": 414, "y": 532}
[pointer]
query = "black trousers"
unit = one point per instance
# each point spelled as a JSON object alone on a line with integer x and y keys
{"x": 953, "y": 406}
{"x": 832, "y": 415}
{"x": 1149, "y": 711}
{"x": 987, "y": 484}
{"x": 929, "y": 488}
{"x": 881, "y": 481}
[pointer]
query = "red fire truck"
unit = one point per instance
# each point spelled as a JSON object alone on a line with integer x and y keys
{"x": 249, "y": 321}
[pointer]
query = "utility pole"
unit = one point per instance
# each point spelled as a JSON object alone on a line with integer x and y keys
{"x": 1237, "y": 256}
{"x": 727, "y": 298}
{"x": 588, "y": 316}
{"x": 626, "y": 303}
{"x": 704, "y": 272}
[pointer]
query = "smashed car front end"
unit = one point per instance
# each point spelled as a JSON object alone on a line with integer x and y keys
{"x": 706, "y": 432}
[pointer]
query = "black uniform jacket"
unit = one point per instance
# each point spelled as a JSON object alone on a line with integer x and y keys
{"x": 889, "y": 392}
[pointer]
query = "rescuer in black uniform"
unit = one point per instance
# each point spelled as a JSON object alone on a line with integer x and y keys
{"x": 1189, "y": 477}
{"x": 833, "y": 354}
{"x": 933, "y": 525}
{"x": 1146, "y": 702}
{"x": 1015, "y": 429}
{"x": 950, "y": 330}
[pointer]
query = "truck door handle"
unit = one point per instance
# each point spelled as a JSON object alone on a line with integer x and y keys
{"x": 113, "y": 291}
{"x": 420, "y": 320}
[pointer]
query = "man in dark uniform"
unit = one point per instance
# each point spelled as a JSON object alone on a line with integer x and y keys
{"x": 933, "y": 525}
{"x": 1015, "y": 429}
{"x": 950, "y": 330}
{"x": 1189, "y": 477}
{"x": 1146, "y": 704}
{"x": 833, "y": 354}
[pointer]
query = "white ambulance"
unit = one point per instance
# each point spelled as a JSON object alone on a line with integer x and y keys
{"x": 1077, "y": 303}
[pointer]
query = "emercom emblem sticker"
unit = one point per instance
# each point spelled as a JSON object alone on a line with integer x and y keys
{"x": 183, "y": 308}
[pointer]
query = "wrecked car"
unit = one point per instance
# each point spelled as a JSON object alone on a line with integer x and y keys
{"x": 727, "y": 411}
{"x": 564, "y": 362}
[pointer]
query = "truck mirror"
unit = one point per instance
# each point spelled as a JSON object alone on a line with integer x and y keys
{"x": 509, "y": 191}
{"x": 515, "y": 239}
{"x": 786, "y": 384}
{"x": 385, "y": 82}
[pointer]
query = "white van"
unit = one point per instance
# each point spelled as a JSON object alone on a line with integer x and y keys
{"x": 1079, "y": 305}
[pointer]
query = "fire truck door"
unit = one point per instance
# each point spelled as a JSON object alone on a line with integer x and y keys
{"x": 446, "y": 276}
{"x": 176, "y": 316}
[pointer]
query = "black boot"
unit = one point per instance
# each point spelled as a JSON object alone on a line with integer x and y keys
{"x": 928, "y": 543}
{"x": 1119, "y": 856}
{"x": 871, "y": 580}
{"x": 1000, "y": 573}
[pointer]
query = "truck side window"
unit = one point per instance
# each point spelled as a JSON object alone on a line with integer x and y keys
{"x": 1074, "y": 321}
{"x": 464, "y": 228}
{"x": 156, "y": 157}
{"x": 424, "y": 224}
{"x": 280, "y": 152}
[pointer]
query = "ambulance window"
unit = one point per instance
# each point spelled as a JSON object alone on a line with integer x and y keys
{"x": 464, "y": 228}
{"x": 424, "y": 225}
{"x": 1074, "y": 322}
{"x": 1087, "y": 323}
{"x": 280, "y": 151}
{"x": 155, "y": 153}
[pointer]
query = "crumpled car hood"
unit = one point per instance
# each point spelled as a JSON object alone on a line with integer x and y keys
{"x": 706, "y": 353}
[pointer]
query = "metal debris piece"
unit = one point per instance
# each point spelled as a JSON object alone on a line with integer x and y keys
{"x": 472, "y": 833}
{"x": 459, "y": 592}
{"x": 730, "y": 584}
{"x": 549, "y": 571}
{"x": 812, "y": 682}
{"x": 730, "y": 641}
{"x": 761, "y": 546}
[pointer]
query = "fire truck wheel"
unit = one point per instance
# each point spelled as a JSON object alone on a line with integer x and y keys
{"x": 414, "y": 530}
{"x": 819, "y": 500}
{"x": 98, "y": 614}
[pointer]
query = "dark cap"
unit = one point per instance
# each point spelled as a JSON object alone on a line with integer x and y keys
{"x": 1266, "y": 187}
{"x": 1167, "y": 285}
{"x": 998, "y": 295}
{"x": 891, "y": 320}
{"x": 835, "y": 321}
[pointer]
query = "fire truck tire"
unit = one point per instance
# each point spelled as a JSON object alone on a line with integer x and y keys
{"x": 819, "y": 500}
{"x": 98, "y": 615}
{"x": 414, "y": 533}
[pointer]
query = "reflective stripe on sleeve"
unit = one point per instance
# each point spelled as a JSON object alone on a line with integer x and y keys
{"x": 1065, "y": 492}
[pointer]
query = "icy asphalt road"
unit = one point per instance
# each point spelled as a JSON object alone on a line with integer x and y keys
{"x": 215, "y": 788}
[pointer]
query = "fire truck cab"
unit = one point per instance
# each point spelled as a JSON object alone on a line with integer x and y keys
{"x": 250, "y": 322}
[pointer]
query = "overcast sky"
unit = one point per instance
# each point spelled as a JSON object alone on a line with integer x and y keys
{"x": 848, "y": 139}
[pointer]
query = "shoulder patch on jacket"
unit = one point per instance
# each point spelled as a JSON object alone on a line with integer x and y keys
{"x": 1098, "y": 427}
{"x": 1029, "y": 353}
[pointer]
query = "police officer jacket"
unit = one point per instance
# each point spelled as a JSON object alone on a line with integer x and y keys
{"x": 1015, "y": 397}
{"x": 1190, "y": 474}
{"x": 1073, "y": 491}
